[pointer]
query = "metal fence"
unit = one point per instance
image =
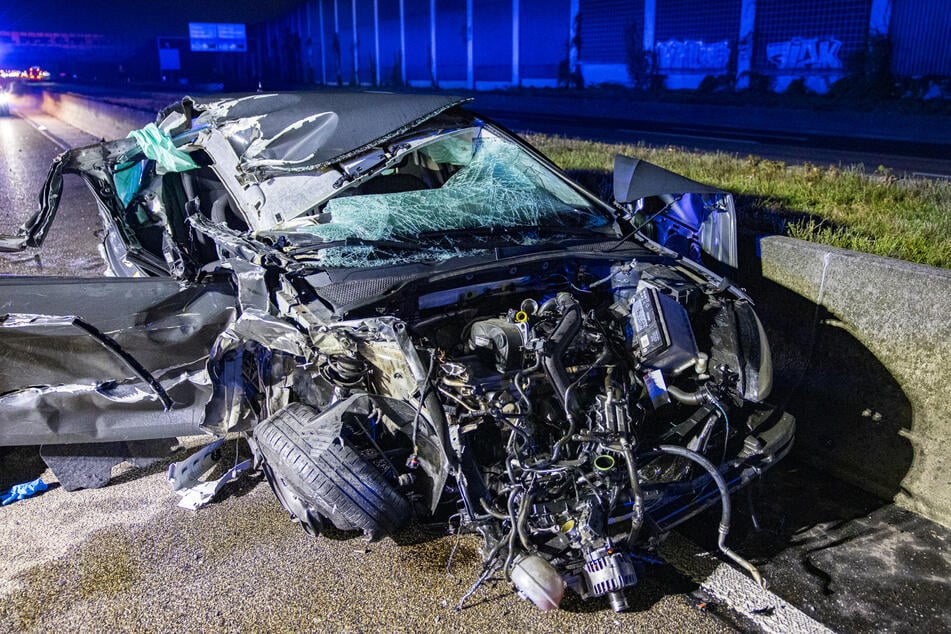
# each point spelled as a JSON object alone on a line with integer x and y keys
{"x": 603, "y": 26}
{"x": 543, "y": 44}
{"x": 920, "y": 37}
{"x": 696, "y": 36}
{"x": 488, "y": 43}
{"x": 815, "y": 36}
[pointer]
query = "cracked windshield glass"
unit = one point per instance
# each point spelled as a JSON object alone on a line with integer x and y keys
{"x": 455, "y": 193}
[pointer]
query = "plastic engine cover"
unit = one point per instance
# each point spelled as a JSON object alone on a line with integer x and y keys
{"x": 662, "y": 332}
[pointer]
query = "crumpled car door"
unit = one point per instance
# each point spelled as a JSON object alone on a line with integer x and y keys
{"x": 106, "y": 359}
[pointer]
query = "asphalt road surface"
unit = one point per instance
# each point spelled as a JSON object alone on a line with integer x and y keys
{"x": 125, "y": 558}
{"x": 25, "y": 156}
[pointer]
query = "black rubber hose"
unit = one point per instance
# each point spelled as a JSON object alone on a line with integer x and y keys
{"x": 637, "y": 496}
{"x": 724, "y": 530}
{"x": 524, "y": 507}
{"x": 559, "y": 340}
{"x": 685, "y": 397}
{"x": 513, "y": 533}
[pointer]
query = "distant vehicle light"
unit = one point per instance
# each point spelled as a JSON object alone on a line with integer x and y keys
{"x": 35, "y": 73}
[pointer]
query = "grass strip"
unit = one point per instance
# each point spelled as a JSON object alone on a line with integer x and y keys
{"x": 840, "y": 205}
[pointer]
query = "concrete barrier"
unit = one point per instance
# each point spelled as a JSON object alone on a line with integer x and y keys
{"x": 98, "y": 118}
{"x": 862, "y": 348}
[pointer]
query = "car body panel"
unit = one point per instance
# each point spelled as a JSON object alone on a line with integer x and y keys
{"x": 695, "y": 217}
{"x": 94, "y": 360}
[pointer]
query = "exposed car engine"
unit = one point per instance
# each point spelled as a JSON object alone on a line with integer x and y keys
{"x": 584, "y": 417}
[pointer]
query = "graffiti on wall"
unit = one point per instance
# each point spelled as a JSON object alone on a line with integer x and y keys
{"x": 693, "y": 55}
{"x": 805, "y": 54}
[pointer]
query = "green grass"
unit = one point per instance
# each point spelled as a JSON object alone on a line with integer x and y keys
{"x": 841, "y": 206}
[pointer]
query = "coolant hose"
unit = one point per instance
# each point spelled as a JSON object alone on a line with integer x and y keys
{"x": 685, "y": 397}
{"x": 637, "y": 510}
{"x": 709, "y": 467}
{"x": 563, "y": 335}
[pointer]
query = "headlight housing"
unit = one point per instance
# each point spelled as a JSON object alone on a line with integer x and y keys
{"x": 740, "y": 348}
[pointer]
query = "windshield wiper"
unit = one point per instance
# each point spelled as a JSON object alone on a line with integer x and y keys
{"x": 513, "y": 231}
{"x": 356, "y": 242}
{"x": 475, "y": 237}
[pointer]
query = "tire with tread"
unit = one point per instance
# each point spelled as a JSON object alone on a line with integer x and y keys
{"x": 331, "y": 478}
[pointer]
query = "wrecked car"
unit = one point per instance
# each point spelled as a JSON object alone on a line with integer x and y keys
{"x": 409, "y": 313}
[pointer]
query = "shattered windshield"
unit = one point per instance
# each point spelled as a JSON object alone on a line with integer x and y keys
{"x": 452, "y": 194}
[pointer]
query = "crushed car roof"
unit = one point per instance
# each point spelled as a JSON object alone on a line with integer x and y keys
{"x": 278, "y": 133}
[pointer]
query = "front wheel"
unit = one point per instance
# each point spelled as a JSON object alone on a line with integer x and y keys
{"x": 316, "y": 477}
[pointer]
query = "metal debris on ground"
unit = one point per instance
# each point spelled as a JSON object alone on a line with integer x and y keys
{"x": 185, "y": 476}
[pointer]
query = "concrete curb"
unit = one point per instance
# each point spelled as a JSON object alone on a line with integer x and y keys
{"x": 864, "y": 344}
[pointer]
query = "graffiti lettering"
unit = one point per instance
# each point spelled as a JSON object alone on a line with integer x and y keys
{"x": 692, "y": 55}
{"x": 799, "y": 53}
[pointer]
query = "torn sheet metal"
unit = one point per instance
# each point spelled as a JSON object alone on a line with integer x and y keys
{"x": 636, "y": 178}
{"x": 256, "y": 321}
{"x": 163, "y": 328}
{"x": 240, "y": 244}
{"x": 92, "y": 162}
{"x": 185, "y": 476}
{"x": 15, "y": 320}
{"x": 275, "y": 134}
{"x": 33, "y": 232}
{"x": 255, "y": 334}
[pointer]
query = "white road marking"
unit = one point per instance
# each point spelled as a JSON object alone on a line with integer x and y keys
{"x": 46, "y": 133}
{"x": 61, "y": 134}
{"x": 931, "y": 175}
{"x": 737, "y": 590}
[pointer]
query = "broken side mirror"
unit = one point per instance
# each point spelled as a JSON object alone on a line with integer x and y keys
{"x": 693, "y": 217}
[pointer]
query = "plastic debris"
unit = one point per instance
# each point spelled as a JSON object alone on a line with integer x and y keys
{"x": 22, "y": 491}
{"x": 185, "y": 476}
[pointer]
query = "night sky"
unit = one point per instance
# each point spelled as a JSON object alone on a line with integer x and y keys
{"x": 135, "y": 18}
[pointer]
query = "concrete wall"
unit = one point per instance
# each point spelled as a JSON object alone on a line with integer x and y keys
{"x": 98, "y": 118}
{"x": 862, "y": 347}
